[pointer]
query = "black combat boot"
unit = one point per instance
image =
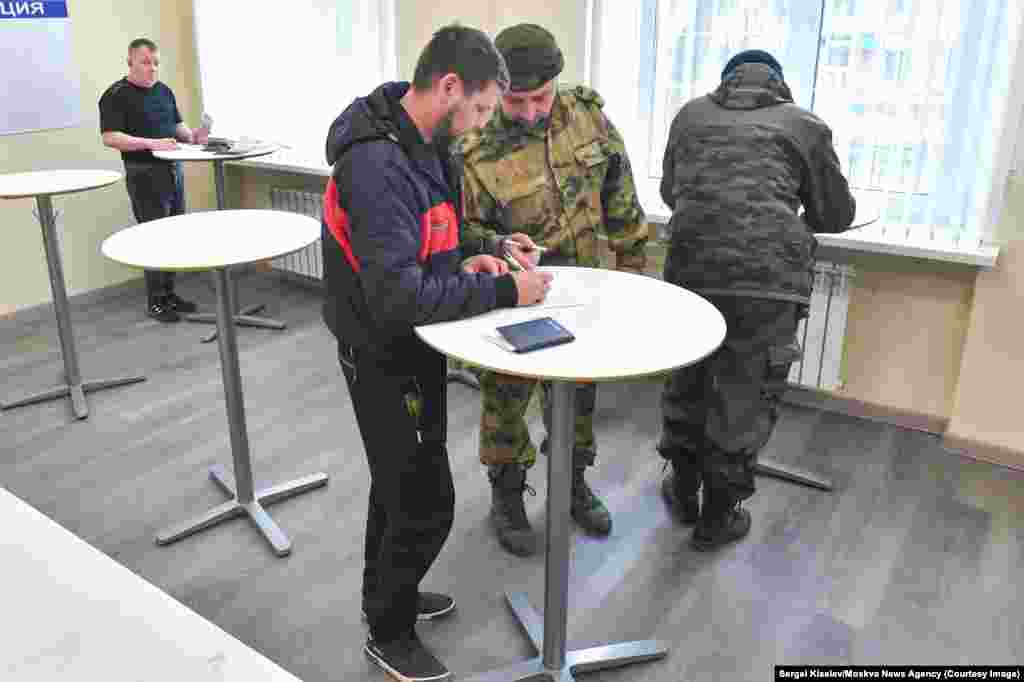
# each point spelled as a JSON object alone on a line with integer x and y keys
{"x": 722, "y": 520}
{"x": 508, "y": 515}
{"x": 679, "y": 489}
{"x": 587, "y": 509}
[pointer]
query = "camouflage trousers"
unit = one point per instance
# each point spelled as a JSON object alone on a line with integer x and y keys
{"x": 504, "y": 437}
{"x": 718, "y": 414}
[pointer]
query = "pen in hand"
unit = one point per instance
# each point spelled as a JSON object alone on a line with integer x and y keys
{"x": 513, "y": 263}
{"x": 516, "y": 264}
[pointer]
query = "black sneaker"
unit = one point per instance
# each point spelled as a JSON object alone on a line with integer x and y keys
{"x": 159, "y": 310}
{"x": 431, "y": 605}
{"x": 407, "y": 660}
{"x": 180, "y": 305}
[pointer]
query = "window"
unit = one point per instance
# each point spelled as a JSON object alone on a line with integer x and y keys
{"x": 897, "y": 65}
{"x": 915, "y": 92}
{"x": 838, "y": 55}
{"x": 283, "y": 72}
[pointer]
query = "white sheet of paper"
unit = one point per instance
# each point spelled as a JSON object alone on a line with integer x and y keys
{"x": 565, "y": 293}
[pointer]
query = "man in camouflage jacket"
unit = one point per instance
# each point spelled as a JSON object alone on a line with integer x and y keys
{"x": 551, "y": 170}
{"x": 738, "y": 165}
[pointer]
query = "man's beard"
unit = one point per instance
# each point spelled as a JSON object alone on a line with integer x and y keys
{"x": 442, "y": 138}
{"x": 539, "y": 125}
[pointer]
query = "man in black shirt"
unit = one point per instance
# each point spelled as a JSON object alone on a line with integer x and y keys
{"x": 139, "y": 115}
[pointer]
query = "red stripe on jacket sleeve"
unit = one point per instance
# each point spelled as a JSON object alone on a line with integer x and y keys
{"x": 439, "y": 231}
{"x": 337, "y": 222}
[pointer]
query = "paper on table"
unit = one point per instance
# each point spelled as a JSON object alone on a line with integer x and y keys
{"x": 498, "y": 340}
{"x": 565, "y": 292}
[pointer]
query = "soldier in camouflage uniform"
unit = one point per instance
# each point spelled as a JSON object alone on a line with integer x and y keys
{"x": 739, "y": 163}
{"x": 548, "y": 169}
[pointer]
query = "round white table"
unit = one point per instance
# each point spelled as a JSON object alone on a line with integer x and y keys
{"x": 244, "y": 316}
{"x": 42, "y": 185}
{"x": 608, "y": 312}
{"x": 218, "y": 240}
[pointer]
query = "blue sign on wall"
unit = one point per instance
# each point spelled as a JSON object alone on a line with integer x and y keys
{"x": 41, "y": 87}
{"x": 33, "y": 9}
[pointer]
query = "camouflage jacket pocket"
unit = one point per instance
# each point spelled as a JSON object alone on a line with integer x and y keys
{"x": 526, "y": 204}
{"x": 591, "y": 154}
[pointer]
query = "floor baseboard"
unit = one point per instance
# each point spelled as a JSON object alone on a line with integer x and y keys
{"x": 907, "y": 419}
{"x": 985, "y": 452}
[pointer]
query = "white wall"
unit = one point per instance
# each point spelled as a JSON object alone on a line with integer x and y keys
{"x": 565, "y": 19}
{"x": 101, "y": 31}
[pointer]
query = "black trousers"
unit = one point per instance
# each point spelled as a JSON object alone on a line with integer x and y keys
{"x": 401, "y": 408}
{"x": 156, "y": 190}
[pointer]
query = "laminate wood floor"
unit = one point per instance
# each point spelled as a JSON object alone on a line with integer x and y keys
{"x": 915, "y": 558}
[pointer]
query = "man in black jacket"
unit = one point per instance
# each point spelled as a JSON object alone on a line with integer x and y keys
{"x": 392, "y": 261}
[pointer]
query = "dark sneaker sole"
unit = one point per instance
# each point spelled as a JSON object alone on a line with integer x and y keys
{"x": 430, "y": 615}
{"x": 372, "y": 655}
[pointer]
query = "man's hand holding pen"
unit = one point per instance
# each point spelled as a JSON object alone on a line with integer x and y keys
{"x": 521, "y": 252}
{"x": 523, "y": 255}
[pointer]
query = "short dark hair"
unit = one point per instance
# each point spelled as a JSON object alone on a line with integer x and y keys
{"x": 466, "y": 52}
{"x": 143, "y": 42}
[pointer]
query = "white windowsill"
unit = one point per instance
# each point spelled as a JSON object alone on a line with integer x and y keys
{"x": 286, "y": 161}
{"x": 893, "y": 241}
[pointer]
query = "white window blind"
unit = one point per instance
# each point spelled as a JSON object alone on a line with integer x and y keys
{"x": 917, "y": 92}
{"x": 284, "y": 71}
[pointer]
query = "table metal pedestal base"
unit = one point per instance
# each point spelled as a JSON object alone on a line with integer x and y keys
{"x": 244, "y": 318}
{"x": 254, "y": 510}
{"x": 579, "y": 661}
{"x": 245, "y": 498}
{"x": 76, "y": 391}
{"x": 548, "y": 636}
{"x": 767, "y": 467}
{"x": 73, "y": 385}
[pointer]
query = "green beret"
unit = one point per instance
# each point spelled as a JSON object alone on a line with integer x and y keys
{"x": 531, "y": 54}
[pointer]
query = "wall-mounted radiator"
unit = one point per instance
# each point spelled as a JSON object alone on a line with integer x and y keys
{"x": 309, "y": 261}
{"x": 820, "y": 335}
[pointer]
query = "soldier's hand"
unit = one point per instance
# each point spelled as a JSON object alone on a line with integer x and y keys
{"x": 485, "y": 263}
{"x": 523, "y": 250}
{"x": 163, "y": 144}
{"x": 532, "y": 286}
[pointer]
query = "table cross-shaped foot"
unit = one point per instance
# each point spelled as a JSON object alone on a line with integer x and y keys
{"x": 77, "y": 392}
{"x": 578, "y": 661}
{"x": 767, "y": 467}
{"x": 244, "y": 318}
{"x": 254, "y": 510}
